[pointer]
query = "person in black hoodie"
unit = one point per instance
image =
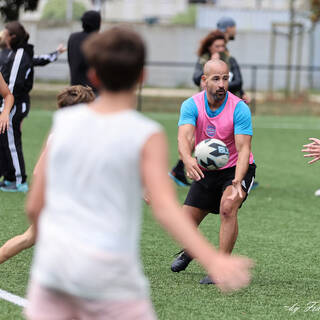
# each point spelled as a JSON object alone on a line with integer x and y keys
{"x": 91, "y": 21}
{"x": 17, "y": 71}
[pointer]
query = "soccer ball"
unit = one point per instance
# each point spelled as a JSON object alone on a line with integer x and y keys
{"x": 211, "y": 154}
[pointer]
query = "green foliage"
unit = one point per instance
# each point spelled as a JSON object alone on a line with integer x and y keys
{"x": 186, "y": 18}
{"x": 315, "y": 10}
{"x": 55, "y": 10}
{"x": 9, "y": 9}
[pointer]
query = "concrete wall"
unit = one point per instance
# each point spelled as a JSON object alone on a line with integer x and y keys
{"x": 261, "y": 4}
{"x": 138, "y": 10}
{"x": 176, "y": 44}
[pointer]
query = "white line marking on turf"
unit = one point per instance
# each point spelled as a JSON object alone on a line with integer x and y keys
{"x": 13, "y": 298}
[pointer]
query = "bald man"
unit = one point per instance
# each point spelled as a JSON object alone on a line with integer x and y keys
{"x": 216, "y": 113}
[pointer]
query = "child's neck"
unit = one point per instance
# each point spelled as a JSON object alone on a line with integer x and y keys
{"x": 109, "y": 102}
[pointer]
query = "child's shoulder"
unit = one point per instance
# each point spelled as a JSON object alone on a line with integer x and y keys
{"x": 145, "y": 121}
{"x": 72, "y": 111}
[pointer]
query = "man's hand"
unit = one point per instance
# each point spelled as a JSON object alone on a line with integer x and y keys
{"x": 236, "y": 190}
{"x": 4, "y": 122}
{"x": 230, "y": 272}
{"x": 193, "y": 170}
{"x": 313, "y": 150}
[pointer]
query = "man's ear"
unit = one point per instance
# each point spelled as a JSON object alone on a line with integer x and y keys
{"x": 93, "y": 78}
{"x": 203, "y": 82}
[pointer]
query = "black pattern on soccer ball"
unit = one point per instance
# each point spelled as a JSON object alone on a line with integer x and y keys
{"x": 208, "y": 164}
{"x": 212, "y": 154}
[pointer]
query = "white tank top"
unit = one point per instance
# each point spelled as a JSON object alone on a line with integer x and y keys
{"x": 89, "y": 229}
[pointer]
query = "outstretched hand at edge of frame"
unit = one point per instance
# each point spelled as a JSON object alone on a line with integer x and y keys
{"x": 312, "y": 150}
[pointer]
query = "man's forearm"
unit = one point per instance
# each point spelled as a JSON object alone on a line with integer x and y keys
{"x": 242, "y": 164}
{"x": 185, "y": 148}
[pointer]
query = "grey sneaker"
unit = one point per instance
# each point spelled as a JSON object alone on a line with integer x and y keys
{"x": 181, "y": 262}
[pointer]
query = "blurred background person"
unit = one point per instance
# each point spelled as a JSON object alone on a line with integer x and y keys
{"x": 17, "y": 71}
{"x": 227, "y": 25}
{"x": 91, "y": 21}
{"x": 16, "y": 64}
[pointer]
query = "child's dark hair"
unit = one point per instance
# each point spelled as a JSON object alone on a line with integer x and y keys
{"x": 117, "y": 56}
{"x": 74, "y": 95}
{"x": 21, "y": 35}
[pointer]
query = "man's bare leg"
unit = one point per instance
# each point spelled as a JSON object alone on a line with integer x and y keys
{"x": 229, "y": 225}
{"x": 229, "y": 221}
{"x": 196, "y": 214}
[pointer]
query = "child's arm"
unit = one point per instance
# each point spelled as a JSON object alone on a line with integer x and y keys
{"x": 8, "y": 103}
{"x": 42, "y": 156}
{"x": 35, "y": 199}
{"x": 229, "y": 272}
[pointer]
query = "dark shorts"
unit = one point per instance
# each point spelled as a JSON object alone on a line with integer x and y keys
{"x": 206, "y": 193}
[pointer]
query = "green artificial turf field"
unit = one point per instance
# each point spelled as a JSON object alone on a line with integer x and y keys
{"x": 279, "y": 229}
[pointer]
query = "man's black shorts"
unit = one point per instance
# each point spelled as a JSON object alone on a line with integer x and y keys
{"x": 206, "y": 193}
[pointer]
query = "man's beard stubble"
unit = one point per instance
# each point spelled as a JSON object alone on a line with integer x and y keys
{"x": 219, "y": 96}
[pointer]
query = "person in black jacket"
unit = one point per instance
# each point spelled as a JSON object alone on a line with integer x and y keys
{"x": 17, "y": 71}
{"x": 16, "y": 64}
{"x": 91, "y": 21}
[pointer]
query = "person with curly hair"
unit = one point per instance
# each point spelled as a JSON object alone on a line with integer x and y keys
{"x": 213, "y": 46}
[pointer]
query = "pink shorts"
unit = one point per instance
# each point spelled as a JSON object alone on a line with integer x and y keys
{"x": 46, "y": 304}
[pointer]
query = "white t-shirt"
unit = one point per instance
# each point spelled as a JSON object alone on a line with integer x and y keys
{"x": 89, "y": 229}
